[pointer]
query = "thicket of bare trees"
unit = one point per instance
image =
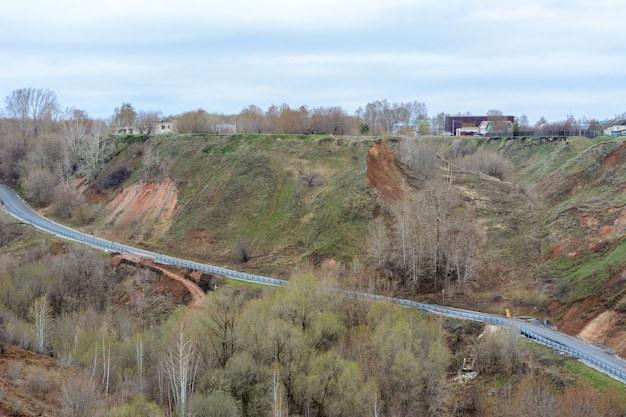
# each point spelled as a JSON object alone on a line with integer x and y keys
{"x": 431, "y": 240}
{"x": 383, "y": 117}
{"x": 33, "y": 109}
{"x": 253, "y": 352}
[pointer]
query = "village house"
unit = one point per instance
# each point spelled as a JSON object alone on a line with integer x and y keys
{"x": 156, "y": 127}
{"x": 615, "y": 127}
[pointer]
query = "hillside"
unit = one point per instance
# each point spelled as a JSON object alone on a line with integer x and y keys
{"x": 549, "y": 241}
{"x": 533, "y": 227}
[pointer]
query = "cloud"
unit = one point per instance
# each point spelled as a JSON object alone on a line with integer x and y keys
{"x": 454, "y": 55}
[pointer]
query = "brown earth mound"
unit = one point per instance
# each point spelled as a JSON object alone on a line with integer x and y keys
{"x": 383, "y": 172}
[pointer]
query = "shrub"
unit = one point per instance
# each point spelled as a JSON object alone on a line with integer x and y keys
{"x": 242, "y": 251}
{"x": 114, "y": 177}
{"x": 489, "y": 163}
{"x": 65, "y": 204}
{"x": 311, "y": 180}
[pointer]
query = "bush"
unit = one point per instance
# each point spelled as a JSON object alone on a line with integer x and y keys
{"x": 489, "y": 163}
{"x": 65, "y": 204}
{"x": 242, "y": 251}
{"x": 311, "y": 180}
{"x": 114, "y": 177}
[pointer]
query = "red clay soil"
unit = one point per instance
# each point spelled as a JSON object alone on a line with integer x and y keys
{"x": 144, "y": 200}
{"x": 594, "y": 324}
{"x": 382, "y": 171}
{"x": 605, "y": 329}
{"x": 615, "y": 159}
{"x": 194, "y": 291}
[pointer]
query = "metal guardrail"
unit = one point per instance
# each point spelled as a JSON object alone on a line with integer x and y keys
{"x": 573, "y": 352}
{"x": 242, "y": 276}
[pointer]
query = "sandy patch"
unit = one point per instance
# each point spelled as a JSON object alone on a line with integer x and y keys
{"x": 146, "y": 201}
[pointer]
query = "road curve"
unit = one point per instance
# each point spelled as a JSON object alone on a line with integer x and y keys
{"x": 589, "y": 354}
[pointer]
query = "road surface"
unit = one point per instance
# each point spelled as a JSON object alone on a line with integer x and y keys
{"x": 592, "y": 355}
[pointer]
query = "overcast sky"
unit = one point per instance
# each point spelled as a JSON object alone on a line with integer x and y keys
{"x": 545, "y": 58}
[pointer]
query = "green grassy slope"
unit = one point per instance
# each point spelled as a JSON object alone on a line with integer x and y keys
{"x": 288, "y": 197}
{"x": 580, "y": 185}
{"x": 557, "y": 228}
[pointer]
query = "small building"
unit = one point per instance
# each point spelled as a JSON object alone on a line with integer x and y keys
{"x": 459, "y": 124}
{"x": 155, "y": 127}
{"x": 615, "y": 127}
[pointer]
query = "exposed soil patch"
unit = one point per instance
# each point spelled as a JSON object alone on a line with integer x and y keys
{"x": 145, "y": 201}
{"x": 201, "y": 235}
{"x": 607, "y": 328}
{"x": 383, "y": 172}
{"x": 575, "y": 317}
{"x": 593, "y": 322}
{"x": 614, "y": 160}
{"x": 30, "y": 383}
{"x": 186, "y": 291}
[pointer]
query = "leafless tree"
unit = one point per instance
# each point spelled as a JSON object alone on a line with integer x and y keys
{"x": 124, "y": 115}
{"x": 140, "y": 356}
{"x": 79, "y": 396}
{"x": 94, "y": 149}
{"x": 33, "y": 108}
{"x": 499, "y": 122}
{"x": 75, "y": 127}
{"x": 330, "y": 120}
{"x": 419, "y": 158}
{"x": 219, "y": 323}
{"x": 535, "y": 398}
{"x": 252, "y": 120}
{"x": 146, "y": 120}
{"x": 379, "y": 242}
{"x": 180, "y": 365}
{"x": 381, "y": 116}
{"x": 41, "y": 315}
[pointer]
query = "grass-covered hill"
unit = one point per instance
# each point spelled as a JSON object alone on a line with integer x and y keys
{"x": 549, "y": 233}
{"x": 286, "y": 199}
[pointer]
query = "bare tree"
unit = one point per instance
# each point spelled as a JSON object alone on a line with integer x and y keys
{"x": 419, "y": 158}
{"x": 535, "y": 398}
{"x": 94, "y": 150}
{"x": 379, "y": 242}
{"x": 146, "y": 120}
{"x": 79, "y": 396}
{"x": 124, "y": 116}
{"x": 140, "y": 356}
{"x": 180, "y": 365}
{"x": 382, "y": 116}
{"x": 330, "y": 120}
{"x": 33, "y": 108}
{"x": 252, "y": 120}
{"x": 75, "y": 127}
{"x": 41, "y": 315}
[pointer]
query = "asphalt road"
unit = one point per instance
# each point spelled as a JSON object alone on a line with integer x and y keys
{"x": 590, "y": 354}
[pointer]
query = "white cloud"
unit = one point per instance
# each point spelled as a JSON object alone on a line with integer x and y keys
{"x": 226, "y": 55}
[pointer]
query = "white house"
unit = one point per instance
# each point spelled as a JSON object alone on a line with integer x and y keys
{"x": 615, "y": 127}
{"x": 156, "y": 127}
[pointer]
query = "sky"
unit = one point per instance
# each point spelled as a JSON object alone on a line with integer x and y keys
{"x": 541, "y": 58}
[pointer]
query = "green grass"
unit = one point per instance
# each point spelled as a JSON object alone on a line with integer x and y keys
{"x": 249, "y": 187}
{"x": 585, "y": 275}
{"x": 592, "y": 377}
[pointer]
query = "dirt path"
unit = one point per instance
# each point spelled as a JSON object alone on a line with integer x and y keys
{"x": 195, "y": 292}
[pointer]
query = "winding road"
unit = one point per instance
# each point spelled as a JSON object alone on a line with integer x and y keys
{"x": 591, "y": 355}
